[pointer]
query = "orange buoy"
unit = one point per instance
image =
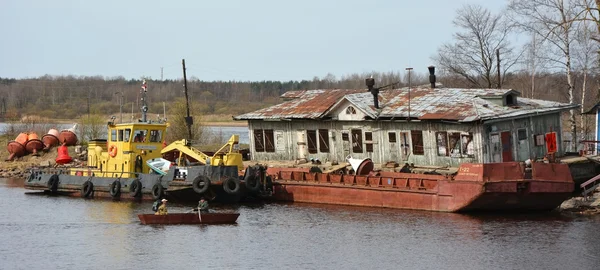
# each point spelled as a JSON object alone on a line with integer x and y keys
{"x": 68, "y": 136}
{"x": 22, "y": 138}
{"x": 112, "y": 151}
{"x": 50, "y": 139}
{"x": 63, "y": 155}
{"x": 33, "y": 144}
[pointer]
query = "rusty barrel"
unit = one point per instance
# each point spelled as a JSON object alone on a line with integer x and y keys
{"x": 68, "y": 136}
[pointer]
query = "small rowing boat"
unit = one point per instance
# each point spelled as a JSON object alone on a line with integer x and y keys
{"x": 189, "y": 218}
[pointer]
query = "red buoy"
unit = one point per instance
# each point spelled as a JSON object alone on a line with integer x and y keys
{"x": 63, "y": 155}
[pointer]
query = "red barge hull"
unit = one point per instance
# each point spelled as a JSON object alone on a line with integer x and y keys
{"x": 476, "y": 187}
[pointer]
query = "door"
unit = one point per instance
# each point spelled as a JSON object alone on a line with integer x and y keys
{"x": 495, "y": 147}
{"x": 301, "y": 144}
{"x": 346, "y": 143}
{"x": 506, "y": 138}
{"x": 392, "y": 139}
{"x": 404, "y": 145}
{"x": 522, "y": 145}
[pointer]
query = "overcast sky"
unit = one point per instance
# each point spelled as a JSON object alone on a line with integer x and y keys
{"x": 224, "y": 39}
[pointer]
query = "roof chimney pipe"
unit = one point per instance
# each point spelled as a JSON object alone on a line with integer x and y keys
{"x": 432, "y": 76}
{"x": 370, "y": 82}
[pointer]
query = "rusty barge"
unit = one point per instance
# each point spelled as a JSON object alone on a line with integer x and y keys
{"x": 475, "y": 187}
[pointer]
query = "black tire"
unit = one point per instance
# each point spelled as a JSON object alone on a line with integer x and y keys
{"x": 135, "y": 189}
{"x": 315, "y": 169}
{"x": 231, "y": 185}
{"x": 201, "y": 184}
{"x": 157, "y": 191}
{"x": 252, "y": 179}
{"x": 86, "y": 189}
{"x": 115, "y": 189}
{"x": 53, "y": 183}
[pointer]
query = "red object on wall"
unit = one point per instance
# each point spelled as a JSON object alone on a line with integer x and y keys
{"x": 551, "y": 142}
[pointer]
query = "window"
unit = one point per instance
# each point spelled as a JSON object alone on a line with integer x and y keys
{"x": 442, "y": 143}
{"x": 345, "y": 137}
{"x": 120, "y": 136}
{"x": 369, "y": 142}
{"x": 454, "y": 144}
{"x": 113, "y": 135}
{"x": 417, "y": 142}
{"x": 357, "y": 146}
{"x": 522, "y": 134}
{"x": 264, "y": 140}
{"x": 405, "y": 145}
{"x": 127, "y": 135}
{"x": 155, "y": 135}
{"x": 350, "y": 110}
{"x": 139, "y": 135}
{"x": 467, "y": 145}
{"x": 269, "y": 141}
{"x": 539, "y": 139}
{"x": 392, "y": 137}
{"x": 259, "y": 141}
{"x": 323, "y": 140}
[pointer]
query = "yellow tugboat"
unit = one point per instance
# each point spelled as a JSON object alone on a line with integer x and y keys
{"x": 129, "y": 164}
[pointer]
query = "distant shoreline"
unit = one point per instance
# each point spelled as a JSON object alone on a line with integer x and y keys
{"x": 226, "y": 124}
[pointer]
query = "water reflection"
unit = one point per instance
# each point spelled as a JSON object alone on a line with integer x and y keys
{"x": 69, "y": 232}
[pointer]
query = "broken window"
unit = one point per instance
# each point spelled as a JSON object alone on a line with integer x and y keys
{"x": 417, "y": 142}
{"x": 442, "y": 143}
{"x": 311, "y": 135}
{"x": 259, "y": 141}
{"x": 350, "y": 110}
{"x": 392, "y": 137}
{"x": 357, "y": 141}
{"x": 454, "y": 144}
{"x": 269, "y": 141}
{"x": 323, "y": 141}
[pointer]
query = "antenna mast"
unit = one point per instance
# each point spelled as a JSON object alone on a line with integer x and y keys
{"x": 144, "y": 105}
{"x": 189, "y": 121}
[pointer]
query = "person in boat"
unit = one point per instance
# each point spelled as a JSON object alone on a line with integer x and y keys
{"x": 162, "y": 209}
{"x": 203, "y": 205}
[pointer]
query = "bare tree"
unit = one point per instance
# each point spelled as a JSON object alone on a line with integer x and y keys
{"x": 553, "y": 21}
{"x": 473, "y": 53}
{"x": 584, "y": 63}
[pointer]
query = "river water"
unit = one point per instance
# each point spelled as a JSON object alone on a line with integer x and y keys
{"x": 49, "y": 232}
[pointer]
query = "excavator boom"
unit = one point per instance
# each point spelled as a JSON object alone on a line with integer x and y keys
{"x": 229, "y": 158}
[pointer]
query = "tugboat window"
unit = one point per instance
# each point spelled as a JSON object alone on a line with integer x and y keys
{"x": 120, "y": 137}
{"x": 126, "y": 135}
{"x": 113, "y": 135}
{"x": 155, "y": 135}
{"x": 139, "y": 135}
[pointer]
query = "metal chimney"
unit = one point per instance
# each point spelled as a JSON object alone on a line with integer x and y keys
{"x": 432, "y": 76}
{"x": 374, "y": 91}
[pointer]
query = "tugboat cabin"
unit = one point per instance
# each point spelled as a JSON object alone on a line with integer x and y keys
{"x": 126, "y": 150}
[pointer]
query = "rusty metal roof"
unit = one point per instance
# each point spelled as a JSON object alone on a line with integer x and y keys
{"x": 304, "y": 104}
{"x": 453, "y": 104}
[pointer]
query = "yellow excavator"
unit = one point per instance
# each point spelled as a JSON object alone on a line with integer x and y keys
{"x": 227, "y": 155}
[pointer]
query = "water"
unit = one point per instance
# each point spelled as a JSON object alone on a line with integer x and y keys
{"x": 226, "y": 132}
{"x": 46, "y": 232}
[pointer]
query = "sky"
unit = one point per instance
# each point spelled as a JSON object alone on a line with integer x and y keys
{"x": 239, "y": 40}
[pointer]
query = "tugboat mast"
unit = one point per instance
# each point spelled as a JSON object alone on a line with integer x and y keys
{"x": 144, "y": 104}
